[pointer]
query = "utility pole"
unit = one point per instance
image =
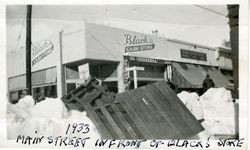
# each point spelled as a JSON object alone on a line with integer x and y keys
{"x": 233, "y": 15}
{"x": 28, "y": 49}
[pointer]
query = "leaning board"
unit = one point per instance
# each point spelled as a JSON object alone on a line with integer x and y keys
{"x": 158, "y": 113}
{"x": 149, "y": 112}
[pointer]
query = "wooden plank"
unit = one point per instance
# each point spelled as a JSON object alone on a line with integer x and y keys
{"x": 174, "y": 125}
{"x": 178, "y": 121}
{"x": 129, "y": 120}
{"x": 123, "y": 123}
{"x": 191, "y": 121}
{"x": 83, "y": 91}
{"x": 97, "y": 122}
{"x": 144, "y": 112}
{"x": 90, "y": 96}
{"x": 163, "y": 119}
{"x": 122, "y": 98}
{"x": 99, "y": 88}
{"x": 110, "y": 119}
{"x": 183, "y": 113}
{"x": 106, "y": 123}
{"x": 138, "y": 110}
{"x": 151, "y": 112}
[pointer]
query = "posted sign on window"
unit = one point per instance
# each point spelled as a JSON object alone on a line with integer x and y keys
{"x": 193, "y": 55}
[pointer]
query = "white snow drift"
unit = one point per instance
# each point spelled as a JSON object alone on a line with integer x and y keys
{"x": 49, "y": 118}
{"x": 216, "y": 107}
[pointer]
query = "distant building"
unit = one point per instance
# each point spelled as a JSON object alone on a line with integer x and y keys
{"x": 106, "y": 53}
{"x": 225, "y": 61}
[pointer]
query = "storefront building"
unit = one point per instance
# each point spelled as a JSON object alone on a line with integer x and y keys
{"x": 117, "y": 58}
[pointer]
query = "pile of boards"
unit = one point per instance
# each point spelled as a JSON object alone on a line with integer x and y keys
{"x": 149, "y": 112}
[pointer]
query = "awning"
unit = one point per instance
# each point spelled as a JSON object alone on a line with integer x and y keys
{"x": 42, "y": 77}
{"x": 17, "y": 83}
{"x": 192, "y": 75}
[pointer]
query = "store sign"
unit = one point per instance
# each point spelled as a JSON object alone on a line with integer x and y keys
{"x": 84, "y": 71}
{"x": 41, "y": 51}
{"x": 147, "y": 60}
{"x": 193, "y": 55}
{"x": 134, "y": 43}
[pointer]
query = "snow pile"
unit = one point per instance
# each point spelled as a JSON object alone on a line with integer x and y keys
{"x": 49, "y": 118}
{"x": 216, "y": 107}
{"x": 191, "y": 100}
{"x": 219, "y": 111}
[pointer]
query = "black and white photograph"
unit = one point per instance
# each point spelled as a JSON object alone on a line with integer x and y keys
{"x": 123, "y": 75}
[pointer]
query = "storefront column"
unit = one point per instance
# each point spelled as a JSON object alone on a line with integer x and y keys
{"x": 165, "y": 74}
{"x": 60, "y": 71}
{"x": 120, "y": 70}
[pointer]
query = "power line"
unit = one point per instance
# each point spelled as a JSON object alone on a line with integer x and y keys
{"x": 210, "y": 10}
{"x": 18, "y": 40}
{"x": 108, "y": 50}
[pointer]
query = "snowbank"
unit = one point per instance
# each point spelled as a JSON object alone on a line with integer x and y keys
{"x": 49, "y": 118}
{"x": 219, "y": 111}
{"x": 191, "y": 100}
{"x": 216, "y": 107}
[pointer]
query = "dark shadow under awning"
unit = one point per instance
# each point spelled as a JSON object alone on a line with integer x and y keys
{"x": 192, "y": 75}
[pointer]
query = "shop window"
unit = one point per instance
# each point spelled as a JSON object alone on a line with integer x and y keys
{"x": 16, "y": 95}
{"x": 40, "y": 93}
{"x": 72, "y": 72}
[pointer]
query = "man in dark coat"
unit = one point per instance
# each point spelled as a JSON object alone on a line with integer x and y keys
{"x": 207, "y": 83}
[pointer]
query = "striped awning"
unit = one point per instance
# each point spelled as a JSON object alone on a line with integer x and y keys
{"x": 192, "y": 75}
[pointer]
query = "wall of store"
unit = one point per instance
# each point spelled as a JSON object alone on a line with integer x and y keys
{"x": 101, "y": 42}
{"x": 174, "y": 51}
{"x": 108, "y": 43}
{"x": 225, "y": 58}
{"x": 73, "y": 43}
{"x": 45, "y": 53}
{"x": 16, "y": 62}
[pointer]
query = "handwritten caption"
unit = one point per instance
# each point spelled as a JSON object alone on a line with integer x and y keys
{"x": 83, "y": 129}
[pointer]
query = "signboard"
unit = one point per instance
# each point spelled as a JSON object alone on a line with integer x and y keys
{"x": 147, "y": 60}
{"x": 84, "y": 71}
{"x": 193, "y": 55}
{"x": 41, "y": 50}
{"x": 45, "y": 53}
{"x": 134, "y": 43}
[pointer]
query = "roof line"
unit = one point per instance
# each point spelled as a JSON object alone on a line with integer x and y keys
{"x": 189, "y": 43}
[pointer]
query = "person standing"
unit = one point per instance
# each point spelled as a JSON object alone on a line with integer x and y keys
{"x": 207, "y": 83}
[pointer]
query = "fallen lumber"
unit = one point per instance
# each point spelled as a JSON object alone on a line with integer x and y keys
{"x": 149, "y": 112}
